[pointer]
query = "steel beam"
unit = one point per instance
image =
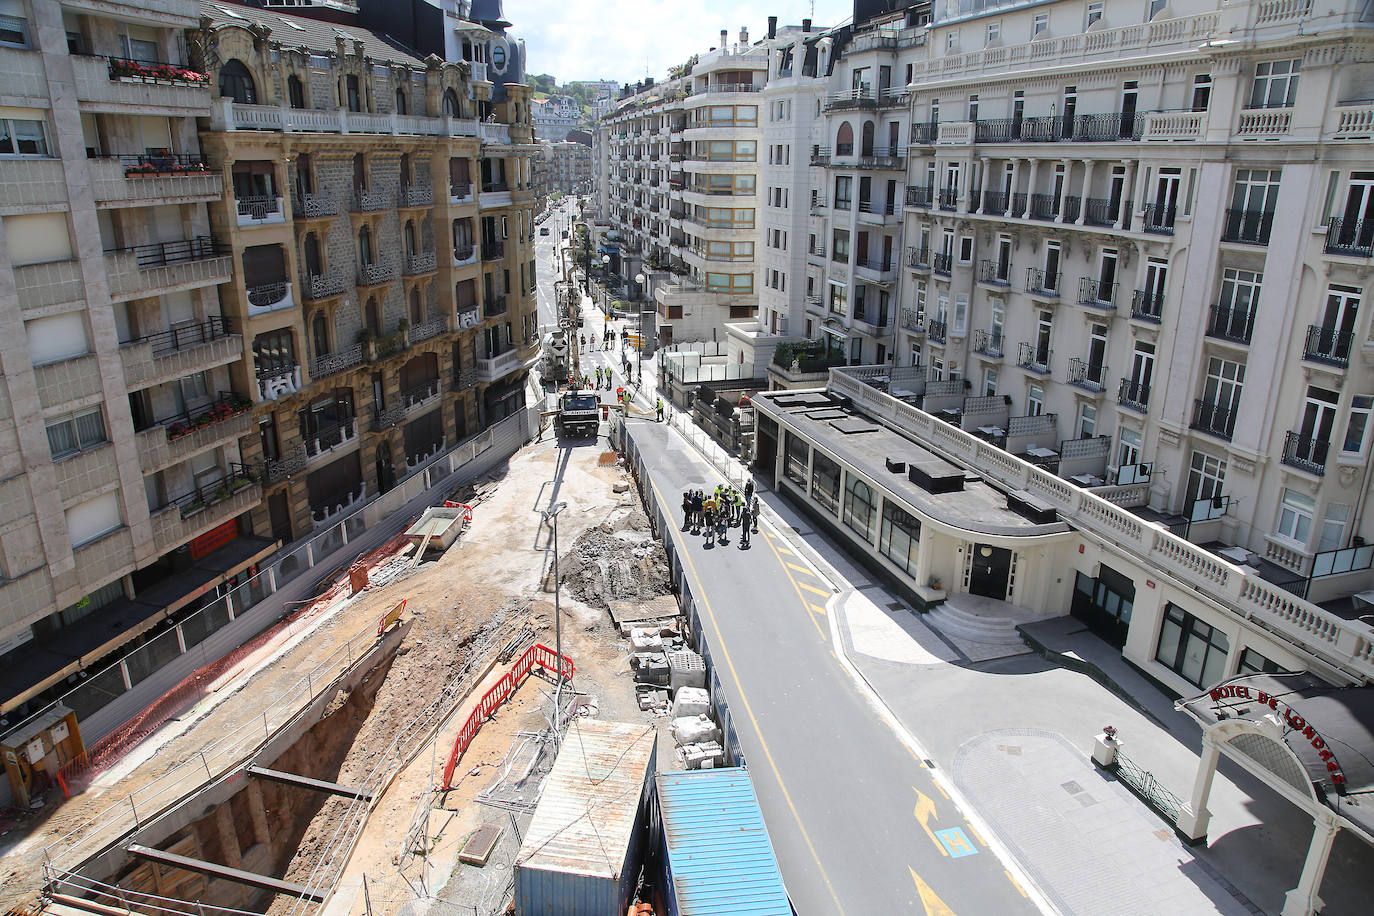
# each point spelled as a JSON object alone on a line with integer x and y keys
{"x": 237, "y": 875}
{"x": 305, "y": 782}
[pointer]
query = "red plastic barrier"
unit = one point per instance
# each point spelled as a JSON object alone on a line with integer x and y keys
{"x": 450, "y": 504}
{"x": 537, "y": 654}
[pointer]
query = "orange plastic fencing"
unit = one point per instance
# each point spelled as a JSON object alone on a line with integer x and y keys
{"x": 537, "y": 654}
{"x": 467, "y": 515}
{"x": 76, "y": 774}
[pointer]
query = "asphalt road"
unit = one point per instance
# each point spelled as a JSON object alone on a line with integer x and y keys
{"x": 859, "y": 823}
{"x": 548, "y": 270}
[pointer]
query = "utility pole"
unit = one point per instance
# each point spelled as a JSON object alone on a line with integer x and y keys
{"x": 552, "y": 513}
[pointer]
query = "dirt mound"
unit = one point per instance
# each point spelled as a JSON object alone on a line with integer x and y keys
{"x": 618, "y": 561}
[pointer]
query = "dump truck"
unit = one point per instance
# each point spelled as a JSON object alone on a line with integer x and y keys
{"x": 577, "y": 413}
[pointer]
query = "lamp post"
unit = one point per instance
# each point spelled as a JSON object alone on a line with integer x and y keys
{"x": 639, "y": 324}
{"x": 605, "y": 284}
{"x": 552, "y": 514}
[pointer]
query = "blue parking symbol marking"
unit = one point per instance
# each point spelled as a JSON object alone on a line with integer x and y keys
{"x": 956, "y": 842}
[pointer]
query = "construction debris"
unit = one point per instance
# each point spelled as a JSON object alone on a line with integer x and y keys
{"x": 616, "y": 561}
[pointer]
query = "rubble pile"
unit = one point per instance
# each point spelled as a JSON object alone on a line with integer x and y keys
{"x": 616, "y": 561}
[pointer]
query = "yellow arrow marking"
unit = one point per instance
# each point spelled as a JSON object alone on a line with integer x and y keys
{"x": 934, "y": 906}
{"x": 925, "y": 811}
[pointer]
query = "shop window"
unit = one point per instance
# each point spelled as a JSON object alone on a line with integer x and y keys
{"x": 1194, "y": 650}
{"x": 858, "y": 507}
{"x": 825, "y": 482}
{"x": 899, "y": 537}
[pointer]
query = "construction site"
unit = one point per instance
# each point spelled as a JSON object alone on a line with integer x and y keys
{"x": 384, "y": 747}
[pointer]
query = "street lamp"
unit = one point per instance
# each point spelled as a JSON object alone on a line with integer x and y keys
{"x": 639, "y": 324}
{"x": 606, "y": 283}
{"x": 552, "y": 514}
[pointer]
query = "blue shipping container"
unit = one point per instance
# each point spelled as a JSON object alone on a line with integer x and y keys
{"x": 717, "y": 854}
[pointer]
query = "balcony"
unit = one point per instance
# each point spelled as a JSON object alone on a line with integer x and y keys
{"x": 818, "y": 206}
{"x": 205, "y": 507}
{"x": 893, "y": 161}
{"x": 1134, "y": 394}
{"x": 497, "y": 366}
{"x": 1231, "y": 324}
{"x": 337, "y": 504}
{"x": 988, "y": 343}
{"x": 1264, "y": 123}
{"x": 493, "y": 251}
{"x": 493, "y": 306}
{"x": 1102, "y": 212}
{"x": 1087, "y": 375}
{"x": 374, "y": 275}
{"x": 948, "y": 199}
{"x": 1213, "y": 419}
{"x": 332, "y": 438}
{"x": 1147, "y": 306}
{"x": 816, "y": 255}
{"x": 913, "y": 321}
{"x": 937, "y": 330}
{"x": 918, "y": 197}
{"x": 152, "y": 179}
{"x": 924, "y": 133}
{"x": 1035, "y": 358}
{"x": 365, "y": 201}
{"x": 330, "y": 363}
{"x": 177, "y": 353}
{"x": 1248, "y": 226}
{"x": 1305, "y": 453}
{"x": 1044, "y": 207}
{"x": 918, "y": 259}
{"x": 418, "y": 397}
{"x": 942, "y": 262}
{"x": 1350, "y": 237}
{"x": 873, "y": 320}
{"x": 994, "y": 203}
{"x": 415, "y": 196}
{"x": 876, "y": 270}
{"x": 140, "y": 85}
{"x": 1158, "y": 219}
{"x": 177, "y": 437}
{"x": 425, "y": 262}
{"x": 880, "y": 214}
{"x": 1042, "y": 285}
{"x": 277, "y": 380}
{"x": 460, "y": 192}
{"x": 1327, "y": 345}
{"x": 263, "y": 210}
{"x": 994, "y": 273}
{"x": 464, "y": 255}
{"x": 426, "y": 330}
{"x": 315, "y": 206}
{"x": 146, "y": 270}
{"x": 325, "y": 286}
{"x": 1097, "y": 294}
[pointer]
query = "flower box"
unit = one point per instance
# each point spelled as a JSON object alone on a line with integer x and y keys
{"x": 215, "y": 413}
{"x": 157, "y": 73}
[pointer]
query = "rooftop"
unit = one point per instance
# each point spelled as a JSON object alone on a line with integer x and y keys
{"x": 868, "y": 446}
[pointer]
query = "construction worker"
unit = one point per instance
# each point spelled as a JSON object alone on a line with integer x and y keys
{"x": 708, "y": 515}
{"x": 745, "y": 519}
{"x": 754, "y": 511}
{"x": 658, "y": 406}
{"x": 739, "y": 505}
{"x": 598, "y": 377}
{"x": 686, "y": 509}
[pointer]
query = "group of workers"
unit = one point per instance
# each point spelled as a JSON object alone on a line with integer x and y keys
{"x": 720, "y": 510}
{"x": 607, "y": 339}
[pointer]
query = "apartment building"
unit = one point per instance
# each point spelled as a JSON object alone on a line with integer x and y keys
{"x": 564, "y": 168}
{"x": 228, "y": 318}
{"x": 555, "y": 116}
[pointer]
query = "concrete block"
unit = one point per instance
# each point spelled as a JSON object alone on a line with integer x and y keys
{"x": 704, "y": 755}
{"x": 694, "y": 730}
{"x": 686, "y": 669}
{"x": 643, "y": 639}
{"x": 691, "y": 701}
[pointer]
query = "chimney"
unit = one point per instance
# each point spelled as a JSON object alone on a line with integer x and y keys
{"x": 806, "y": 25}
{"x": 772, "y": 27}
{"x": 724, "y": 40}
{"x": 744, "y": 36}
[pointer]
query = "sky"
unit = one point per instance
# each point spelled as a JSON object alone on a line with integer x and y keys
{"x": 623, "y": 40}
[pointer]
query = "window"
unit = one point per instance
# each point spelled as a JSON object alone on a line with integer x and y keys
{"x": 796, "y": 457}
{"x": 899, "y": 537}
{"x": 22, "y": 136}
{"x": 1206, "y": 477}
{"x": 1087, "y": 421}
{"x": 965, "y": 249}
{"x": 1357, "y": 425}
{"x": 1094, "y": 13}
{"x": 839, "y": 250}
{"x": 825, "y": 482}
{"x": 89, "y": 520}
{"x": 1041, "y": 25}
{"x": 989, "y": 382}
{"x": 1251, "y": 662}
{"x": 1192, "y": 649}
{"x": 76, "y": 433}
{"x": 1333, "y": 527}
{"x": 1276, "y": 84}
{"x": 740, "y": 284}
{"x": 952, "y": 41}
{"x": 1295, "y": 516}
{"x": 1202, "y": 86}
{"x": 1035, "y": 401}
{"x": 352, "y": 97}
{"x": 56, "y": 338}
{"x": 858, "y": 506}
{"x": 994, "y": 34}
{"x": 236, "y": 82}
{"x": 295, "y": 91}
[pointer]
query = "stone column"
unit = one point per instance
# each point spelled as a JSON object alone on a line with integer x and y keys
{"x": 1303, "y": 899}
{"x": 1123, "y": 215}
{"x": 1030, "y": 186}
{"x": 1064, "y": 190}
{"x": 1192, "y": 820}
{"x": 1087, "y": 189}
{"x": 985, "y": 164}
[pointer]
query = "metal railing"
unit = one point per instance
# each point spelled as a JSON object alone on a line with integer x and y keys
{"x": 258, "y": 206}
{"x": 988, "y": 342}
{"x": 365, "y": 201}
{"x": 1213, "y": 419}
{"x": 422, "y": 263}
{"x": 1095, "y": 292}
{"x": 154, "y": 71}
{"x": 1250, "y": 226}
{"x": 1158, "y": 219}
{"x": 1230, "y": 323}
{"x": 1305, "y": 452}
{"x": 418, "y": 394}
{"x": 1147, "y": 305}
{"x": 159, "y": 163}
{"x": 1044, "y": 206}
{"x": 1099, "y": 211}
{"x": 997, "y": 273}
{"x": 917, "y": 196}
{"x": 494, "y": 250}
{"x": 1353, "y": 237}
{"x": 994, "y": 203}
{"x": 1034, "y": 357}
{"x": 322, "y": 286}
{"x": 1134, "y": 394}
{"x": 330, "y": 436}
{"x": 186, "y": 336}
{"x": 496, "y": 305}
{"x": 1148, "y": 788}
{"x": 949, "y": 199}
{"x": 314, "y": 206}
{"x": 1327, "y": 345}
{"x": 937, "y": 330}
{"x": 375, "y": 274}
{"x": 1087, "y": 374}
{"x": 463, "y": 253}
{"x": 201, "y": 497}
{"x": 1041, "y": 283}
{"x": 329, "y": 363}
{"x": 416, "y": 196}
{"x": 942, "y": 262}
{"x": 918, "y": 258}
{"x": 458, "y": 190}
{"x": 265, "y": 295}
{"x": 161, "y": 254}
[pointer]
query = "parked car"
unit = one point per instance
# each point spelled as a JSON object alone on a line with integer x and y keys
{"x": 543, "y": 230}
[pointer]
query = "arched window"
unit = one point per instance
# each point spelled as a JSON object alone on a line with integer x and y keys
{"x": 295, "y": 91}
{"x": 400, "y": 101}
{"x": 237, "y": 83}
{"x": 844, "y": 140}
{"x": 304, "y": 183}
{"x": 451, "y": 106}
{"x": 365, "y": 246}
{"x": 416, "y": 313}
{"x": 372, "y": 319}
{"x": 867, "y": 148}
{"x": 319, "y": 334}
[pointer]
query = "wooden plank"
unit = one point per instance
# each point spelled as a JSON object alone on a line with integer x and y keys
{"x": 305, "y": 782}
{"x": 239, "y": 876}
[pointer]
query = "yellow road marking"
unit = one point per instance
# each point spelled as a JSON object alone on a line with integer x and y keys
{"x": 925, "y": 811}
{"x": 818, "y": 609}
{"x": 786, "y": 551}
{"x": 806, "y": 605}
{"x": 942, "y": 789}
{"x": 729, "y": 663}
{"x": 813, "y": 589}
{"x": 1014, "y": 883}
{"x": 934, "y": 906}
{"x": 801, "y": 569}
{"x": 974, "y": 830}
